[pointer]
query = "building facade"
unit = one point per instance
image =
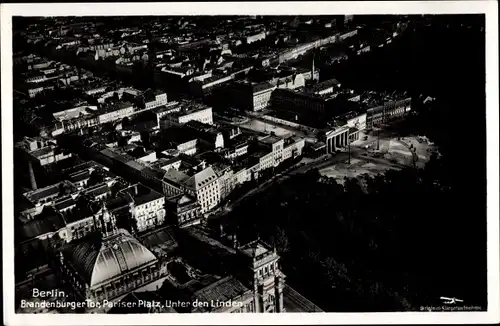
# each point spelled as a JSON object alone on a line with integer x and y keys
{"x": 159, "y": 100}
{"x": 264, "y": 276}
{"x": 391, "y": 110}
{"x": 207, "y": 187}
{"x": 298, "y": 102}
{"x": 184, "y": 210}
{"x": 148, "y": 209}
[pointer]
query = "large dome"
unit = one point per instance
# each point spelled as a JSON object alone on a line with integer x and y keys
{"x": 101, "y": 259}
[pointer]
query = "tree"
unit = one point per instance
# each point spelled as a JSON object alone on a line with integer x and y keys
{"x": 281, "y": 241}
{"x": 146, "y": 139}
{"x": 95, "y": 177}
{"x": 141, "y": 103}
{"x": 125, "y": 122}
{"x": 126, "y": 221}
{"x": 63, "y": 190}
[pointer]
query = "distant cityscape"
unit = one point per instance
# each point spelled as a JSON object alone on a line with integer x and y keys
{"x": 140, "y": 139}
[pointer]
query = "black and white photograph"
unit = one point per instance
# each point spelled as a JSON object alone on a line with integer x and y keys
{"x": 298, "y": 163}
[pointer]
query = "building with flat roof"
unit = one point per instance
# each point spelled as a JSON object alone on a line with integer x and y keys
{"x": 246, "y": 95}
{"x": 392, "y": 108}
{"x": 42, "y": 151}
{"x": 180, "y": 139}
{"x": 326, "y": 87}
{"x": 189, "y": 112}
{"x": 274, "y": 151}
{"x": 208, "y": 135}
{"x": 297, "y": 101}
{"x": 47, "y": 195}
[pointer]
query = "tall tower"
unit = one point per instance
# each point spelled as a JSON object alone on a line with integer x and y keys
{"x": 108, "y": 221}
{"x": 32, "y": 176}
{"x": 265, "y": 278}
{"x": 313, "y": 69}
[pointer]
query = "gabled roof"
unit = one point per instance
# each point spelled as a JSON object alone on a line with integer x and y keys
{"x": 175, "y": 176}
{"x": 201, "y": 179}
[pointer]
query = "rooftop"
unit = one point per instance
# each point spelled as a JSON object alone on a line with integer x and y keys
{"x": 202, "y": 127}
{"x": 167, "y": 107}
{"x": 81, "y": 167}
{"x": 80, "y": 176}
{"x": 97, "y": 190}
{"x": 159, "y": 240}
{"x": 270, "y": 140}
{"x": 324, "y": 85}
{"x": 64, "y": 203}
{"x": 177, "y": 135}
{"x": 223, "y": 290}
{"x": 79, "y": 213}
{"x": 95, "y": 257}
{"x": 118, "y": 202}
{"x": 49, "y": 191}
{"x": 46, "y": 222}
{"x": 42, "y": 151}
{"x": 182, "y": 200}
{"x": 255, "y": 248}
{"x": 176, "y": 176}
{"x": 142, "y": 194}
{"x": 202, "y": 178}
{"x": 255, "y": 87}
{"x": 162, "y": 162}
{"x": 190, "y": 107}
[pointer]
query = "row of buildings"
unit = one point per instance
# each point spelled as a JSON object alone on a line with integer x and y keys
{"x": 68, "y": 208}
{"x": 39, "y": 74}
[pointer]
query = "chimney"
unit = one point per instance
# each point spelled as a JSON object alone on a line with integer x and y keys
{"x": 32, "y": 176}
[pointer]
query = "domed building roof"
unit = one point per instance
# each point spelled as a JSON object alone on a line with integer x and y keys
{"x": 99, "y": 258}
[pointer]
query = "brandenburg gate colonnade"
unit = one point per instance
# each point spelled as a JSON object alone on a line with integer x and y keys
{"x": 337, "y": 140}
